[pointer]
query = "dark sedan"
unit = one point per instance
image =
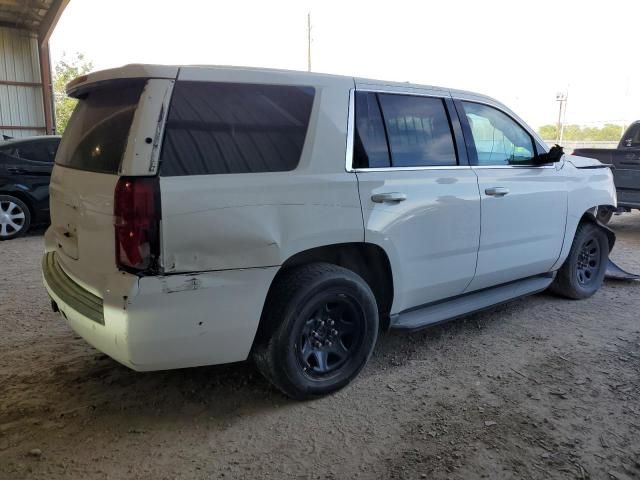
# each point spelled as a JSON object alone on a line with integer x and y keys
{"x": 25, "y": 172}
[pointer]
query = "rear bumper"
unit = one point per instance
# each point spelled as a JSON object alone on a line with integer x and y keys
{"x": 166, "y": 322}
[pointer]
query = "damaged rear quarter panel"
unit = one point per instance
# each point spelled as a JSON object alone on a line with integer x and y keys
{"x": 247, "y": 220}
{"x": 217, "y": 222}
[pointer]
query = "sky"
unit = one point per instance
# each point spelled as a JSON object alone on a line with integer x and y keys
{"x": 522, "y": 53}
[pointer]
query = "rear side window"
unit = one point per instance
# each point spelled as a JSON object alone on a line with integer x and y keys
{"x": 216, "y": 128}
{"x": 370, "y": 142}
{"x": 419, "y": 131}
{"x": 96, "y": 137}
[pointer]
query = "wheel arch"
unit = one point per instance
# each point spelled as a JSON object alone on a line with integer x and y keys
{"x": 588, "y": 215}
{"x": 368, "y": 260}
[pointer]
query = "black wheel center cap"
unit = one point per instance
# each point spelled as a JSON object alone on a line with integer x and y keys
{"x": 330, "y": 336}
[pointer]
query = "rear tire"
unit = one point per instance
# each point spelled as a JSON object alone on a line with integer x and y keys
{"x": 604, "y": 214}
{"x": 15, "y": 217}
{"x": 320, "y": 327}
{"x": 583, "y": 271}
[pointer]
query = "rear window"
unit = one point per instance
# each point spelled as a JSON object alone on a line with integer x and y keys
{"x": 41, "y": 151}
{"x": 97, "y": 133}
{"x": 216, "y": 128}
{"x": 636, "y": 139}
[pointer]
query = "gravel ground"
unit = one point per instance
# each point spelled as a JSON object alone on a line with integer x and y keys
{"x": 540, "y": 388}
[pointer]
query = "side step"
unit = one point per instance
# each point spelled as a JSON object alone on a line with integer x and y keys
{"x": 434, "y": 313}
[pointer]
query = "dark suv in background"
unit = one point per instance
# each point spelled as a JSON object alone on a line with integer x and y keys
{"x": 626, "y": 170}
{"x": 25, "y": 172}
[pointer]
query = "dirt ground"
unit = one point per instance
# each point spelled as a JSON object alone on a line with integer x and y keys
{"x": 540, "y": 388}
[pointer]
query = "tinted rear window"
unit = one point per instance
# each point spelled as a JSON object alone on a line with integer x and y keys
{"x": 370, "y": 148}
{"x": 419, "y": 131}
{"x": 218, "y": 128}
{"x": 97, "y": 133}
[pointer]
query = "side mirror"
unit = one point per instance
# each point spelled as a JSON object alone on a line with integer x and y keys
{"x": 554, "y": 155}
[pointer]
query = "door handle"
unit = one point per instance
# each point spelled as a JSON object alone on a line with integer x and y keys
{"x": 391, "y": 197}
{"x": 496, "y": 191}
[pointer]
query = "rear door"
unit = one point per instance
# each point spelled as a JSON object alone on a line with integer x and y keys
{"x": 524, "y": 207}
{"x": 419, "y": 196}
{"x": 111, "y": 133}
{"x": 626, "y": 173}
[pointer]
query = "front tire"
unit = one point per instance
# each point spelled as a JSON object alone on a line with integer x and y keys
{"x": 319, "y": 329}
{"x": 583, "y": 271}
{"x": 15, "y": 217}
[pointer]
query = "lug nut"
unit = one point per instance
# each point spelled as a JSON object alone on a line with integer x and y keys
{"x": 334, "y": 332}
{"x": 331, "y": 322}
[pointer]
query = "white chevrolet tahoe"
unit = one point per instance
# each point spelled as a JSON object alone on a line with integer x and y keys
{"x": 203, "y": 215}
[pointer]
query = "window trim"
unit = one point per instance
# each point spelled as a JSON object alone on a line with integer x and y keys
{"x": 461, "y": 157}
{"x": 468, "y": 136}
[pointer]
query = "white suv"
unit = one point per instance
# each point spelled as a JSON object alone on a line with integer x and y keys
{"x": 204, "y": 215}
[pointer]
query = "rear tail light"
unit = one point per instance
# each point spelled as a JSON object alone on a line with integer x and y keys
{"x": 137, "y": 223}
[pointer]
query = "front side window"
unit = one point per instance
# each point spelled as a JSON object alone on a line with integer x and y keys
{"x": 498, "y": 139}
{"x": 217, "y": 128}
{"x": 418, "y": 130}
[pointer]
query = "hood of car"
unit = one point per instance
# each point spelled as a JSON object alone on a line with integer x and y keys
{"x": 584, "y": 162}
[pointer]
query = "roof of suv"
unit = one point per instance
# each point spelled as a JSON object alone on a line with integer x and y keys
{"x": 137, "y": 70}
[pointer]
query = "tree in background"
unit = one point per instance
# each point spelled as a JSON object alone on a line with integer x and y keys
{"x": 548, "y": 132}
{"x": 66, "y": 70}
{"x": 608, "y": 133}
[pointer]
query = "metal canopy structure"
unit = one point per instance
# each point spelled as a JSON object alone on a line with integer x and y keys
{"x": 38, "y": 16}
{"x": 25, "y": 71}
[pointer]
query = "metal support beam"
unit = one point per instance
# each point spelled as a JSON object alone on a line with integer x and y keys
{"x": 12, "y": 83}
{"x": 49, "y": 21}
{"x": 47, "y": 87}
{"x": 20, "y": 127}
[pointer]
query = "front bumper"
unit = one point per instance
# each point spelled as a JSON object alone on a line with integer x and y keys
{"x": 166, "y": 322}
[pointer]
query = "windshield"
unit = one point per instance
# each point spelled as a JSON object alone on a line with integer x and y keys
{"x": 97, "y": 133}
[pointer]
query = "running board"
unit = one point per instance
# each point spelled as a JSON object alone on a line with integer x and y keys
{"x": 465, "y": 304}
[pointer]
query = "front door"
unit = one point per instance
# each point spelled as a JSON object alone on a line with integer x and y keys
{"x": 523, "y": 207}
{"x": 420, "y": 201}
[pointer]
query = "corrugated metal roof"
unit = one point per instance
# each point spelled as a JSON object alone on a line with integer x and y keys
{"x": 27, "y": 14}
